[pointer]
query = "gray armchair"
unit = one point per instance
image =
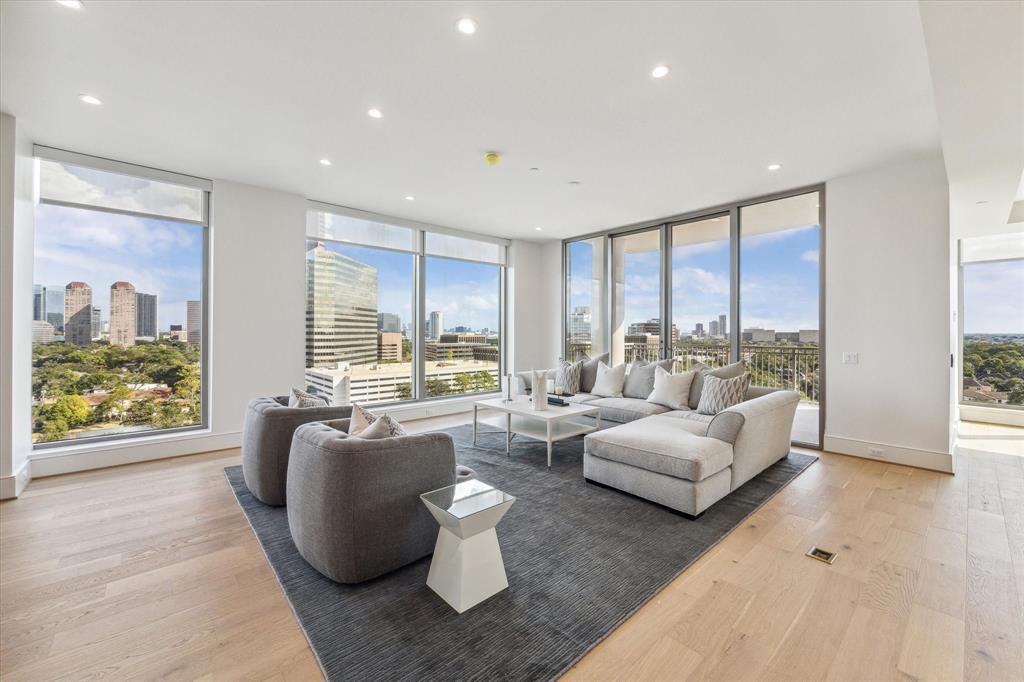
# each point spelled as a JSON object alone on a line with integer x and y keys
{"x": 354, "y": 508}
{"x": 267, "y": 439}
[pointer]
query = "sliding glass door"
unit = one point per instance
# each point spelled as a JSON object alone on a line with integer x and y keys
{"x": 738, "y": 282}
{"x": 636, "y": 297}
{"x": 780, "y": 302}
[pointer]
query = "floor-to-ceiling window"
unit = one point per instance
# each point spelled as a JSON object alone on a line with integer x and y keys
{"x": 396, "y": 313}
{"x": 118, "y": 303}
{"x": 992, "y": 281}
{"x": 585, "y": 327}
{"x": 700, "y": 291}
{"x": 780, "y": 277}
{"x": 737, "y": 282}
{"x": 636, "y": 296}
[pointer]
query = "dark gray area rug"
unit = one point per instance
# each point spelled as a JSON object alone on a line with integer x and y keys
{"x": 580, "y": 560}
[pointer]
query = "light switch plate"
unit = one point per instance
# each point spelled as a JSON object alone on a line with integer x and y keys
{"x": 851, "y": 358}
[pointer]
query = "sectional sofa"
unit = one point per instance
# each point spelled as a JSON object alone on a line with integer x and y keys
{"x": 681, "y": 459}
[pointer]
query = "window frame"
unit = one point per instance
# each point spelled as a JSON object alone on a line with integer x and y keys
{"x": 732, "y": 209}
{"x": 157, "y": 175}
{"x": 420, "y": 256}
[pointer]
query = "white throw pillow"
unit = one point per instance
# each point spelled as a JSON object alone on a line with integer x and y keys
{"x": 384, "y": 426}
{"x": 609, "y": 380}
{"x": 361, "y": 419}
{"x": 671, "y": 390}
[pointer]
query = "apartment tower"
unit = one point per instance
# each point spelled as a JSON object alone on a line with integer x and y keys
{"x": 341, "y": 309}
{"x": 78, "y": 313}
{"x": 122, "y": 314}
{"x": 145, "y": 315}
{"x": 194, "y": 321}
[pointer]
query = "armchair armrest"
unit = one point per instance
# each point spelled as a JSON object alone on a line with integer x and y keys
{"x": 765, "y": 436}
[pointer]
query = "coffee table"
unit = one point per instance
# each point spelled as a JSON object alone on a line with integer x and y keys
{"x": 550, "y": 425}
{"x": 467, "y": 567}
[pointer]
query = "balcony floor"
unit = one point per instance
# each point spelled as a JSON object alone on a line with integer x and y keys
{"x": 805, "y": 425}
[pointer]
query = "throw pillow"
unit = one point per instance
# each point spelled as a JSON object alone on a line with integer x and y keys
{"x": 300, "y": 398}
{"x": 672, "y": 390}
{"x": 568, "y": 376}
{"x": 384, "y": 426}
{"x": 720, "y": 394}
{"x": 726, "y": 372}
{"x": 609, "y": 380}
{"x": 588, "y": 375}
{"x": 640, "y": 378}
{"x": 361, "y": 419}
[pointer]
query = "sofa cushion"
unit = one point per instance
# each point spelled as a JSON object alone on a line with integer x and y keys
{"x": 588, "y": 375}
{"x": 609, "y": 380}
{"x": 567, "y": 376}
{"x": 719, "y": 394}
{"x": 626, "y": 409}
{"x": 671, "y": 390}
{"x": 640, "y": 379}
{"x": 663, "y": 445}
{"x": 302, "y": 399}
{"x": 726, "y": 372}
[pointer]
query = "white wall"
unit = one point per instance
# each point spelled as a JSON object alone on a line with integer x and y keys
{"x": 888, "y": 299}
{"x": 16, "y": 217}
{"x": 257, "y": 313}
{"x": 552, "y": 278}
{"x": 527, "y": 306}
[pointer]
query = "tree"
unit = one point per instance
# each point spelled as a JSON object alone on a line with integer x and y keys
{"x": 463, "y": 383}
{"x": 437, "y": 387}
{"x": 53, "y": 429}
{"x": 403, "y": 391}
{"x": 141, "y": 412}
{"x": 484, "y": 380}
{"x": 73, "y": 410}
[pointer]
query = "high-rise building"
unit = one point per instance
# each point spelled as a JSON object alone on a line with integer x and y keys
{"x": 722, "y": 329}
{"x": 194, "y": 321}
{"x": 698, "y": 331}
{"x": 96, "y": 324}
{"x": 38, "y": 303}
{"x": 389, "y": 322}
{"x": 178, "y": 334}
{"x": 145, "y": 315}
{"x": 78, "y": 313}
{"x": 436, "y": 325}
{"x": 42, "y": 332}
{"x": 580, "y": 325}
{"x": 713, "y": 328}
{"x": 123, "y": 312}
{"x": 55, "y": 301}
{"x": 341, "y": 309}
{"x": 389, "y": 346}
{"x": 652, "y": 327}
{"x": 56, "y": 319}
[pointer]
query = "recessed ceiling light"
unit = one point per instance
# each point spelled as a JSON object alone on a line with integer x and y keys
{"x": 659, "y": 71}
{"x": 535, "y": 169}
{"x": 538, "y": 228}
{"x": 375, "y": 113}
{"x": 73, "y": 4}
{"x": 574, "y": 182}
{"x": 410, "y": 198}
{"x": 775, "y": 166}
{"x": 325, "y": 162}
{"x": 979, "y": 203}
{"x": 90, "y": 99}
{"x": 467, "y": 26}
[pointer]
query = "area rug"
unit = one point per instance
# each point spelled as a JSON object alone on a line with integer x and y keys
{"x": 580, "y": 560}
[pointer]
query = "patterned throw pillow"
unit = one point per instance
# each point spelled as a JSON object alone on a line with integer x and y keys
{"x": 385, "y": 426}
{"x": 300, "y": 398}
{"x": 360, "y": 420}
{"x": 720, "y": 394}
{"x": 568, "y": 376}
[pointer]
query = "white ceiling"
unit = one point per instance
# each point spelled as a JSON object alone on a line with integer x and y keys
{"x": 259, "y": 92}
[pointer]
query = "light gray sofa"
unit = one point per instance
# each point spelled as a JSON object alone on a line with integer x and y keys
{"x": 267, "y": 438}
{"x": 354, "y": 508}
{"x": 688, "y": 461}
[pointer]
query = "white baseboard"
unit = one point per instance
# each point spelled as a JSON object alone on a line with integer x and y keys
{"x": 53, "y": 462}
{"x": 12, "y": 486}
{"x": 923, "y": 459}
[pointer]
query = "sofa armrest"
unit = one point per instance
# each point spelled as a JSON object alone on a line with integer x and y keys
{"x": 765, "y": 435}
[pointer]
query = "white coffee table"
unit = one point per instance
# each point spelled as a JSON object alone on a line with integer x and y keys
{"x": 467, "y": 567}
{"x": 550, "y": 425}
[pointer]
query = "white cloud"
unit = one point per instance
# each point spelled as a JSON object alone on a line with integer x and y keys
{"x": 811, "y": 256}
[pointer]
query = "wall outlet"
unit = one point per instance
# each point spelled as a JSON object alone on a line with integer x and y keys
{"x": 876, "y": 452}
{"x": 851, "y": 358}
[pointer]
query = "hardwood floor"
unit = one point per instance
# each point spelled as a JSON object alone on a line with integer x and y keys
{"x": 150, "y": 570}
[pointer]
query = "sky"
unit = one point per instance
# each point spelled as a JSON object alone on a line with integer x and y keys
{"x": 994, "y": 297}
{"x": 778, "y": 287}
{"x": 467, "y": 294}
{"x": 158, "y": 257}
